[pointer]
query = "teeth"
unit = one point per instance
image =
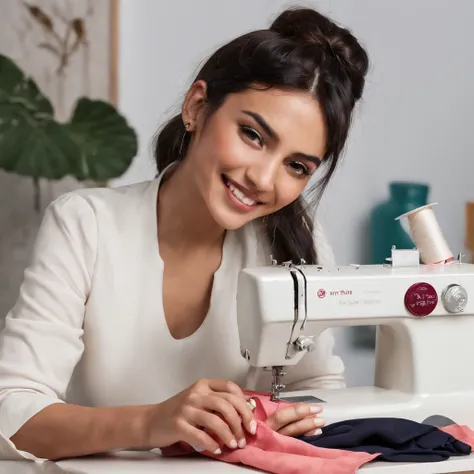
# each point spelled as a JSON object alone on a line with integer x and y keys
{"x": 240, "y": 195}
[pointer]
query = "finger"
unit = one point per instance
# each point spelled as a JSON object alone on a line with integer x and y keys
{"x": 315, "y": 432}
{"x": 226, "y": 386}
{"x": 291, "y": 414}
{"x": 214, "y": 424}
{"x": 243, "y": 409}
{"x": 224, "y": 405}
{"x": 200, "y": 440}
{"x": 301, "y": 427}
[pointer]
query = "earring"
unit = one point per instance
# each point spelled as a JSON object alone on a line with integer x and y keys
{"x": 186, "y": 126}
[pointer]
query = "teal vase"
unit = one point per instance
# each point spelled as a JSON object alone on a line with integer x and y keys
{"x": 385, "y": 231}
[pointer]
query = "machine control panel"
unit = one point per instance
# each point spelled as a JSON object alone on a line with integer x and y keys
{"x": 421, "y": 299}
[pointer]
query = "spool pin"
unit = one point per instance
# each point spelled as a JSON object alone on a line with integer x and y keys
{"x": 427, "y": 236}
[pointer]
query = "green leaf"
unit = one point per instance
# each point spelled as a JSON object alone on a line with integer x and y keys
{"x": 97, "y": 144}
{"x": 16, "y": 88}
{"x": 107, "y": 143}
{"x": 31, "y": 142}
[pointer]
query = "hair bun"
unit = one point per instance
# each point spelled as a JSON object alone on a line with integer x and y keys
{"x": 306, "y": 25}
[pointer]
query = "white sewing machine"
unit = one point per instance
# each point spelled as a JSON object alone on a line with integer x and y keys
{"x": 425, "y": 333}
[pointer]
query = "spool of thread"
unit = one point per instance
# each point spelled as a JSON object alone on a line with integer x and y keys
{"x": 427, "y": 236}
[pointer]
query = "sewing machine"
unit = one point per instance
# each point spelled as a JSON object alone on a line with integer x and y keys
{"x": 425, "y": 331}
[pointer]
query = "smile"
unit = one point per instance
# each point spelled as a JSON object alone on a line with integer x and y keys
{"x": 239, "y": 194}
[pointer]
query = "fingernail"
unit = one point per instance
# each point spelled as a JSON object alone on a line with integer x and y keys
{"x": 253, "y": 427}
{"x": 217, "y": 451}
{"x": 233, "y": 444}
{"x": 318, "y": 421}
{"x": 252, "y": 404}
{"x": 317, "y": 432}
{"x": 242, "y": 443}
{"x": 198, "y": 448}
{"x": 315, "y": 409}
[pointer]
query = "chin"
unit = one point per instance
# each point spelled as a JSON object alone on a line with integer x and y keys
{"x": 229, "y": 220}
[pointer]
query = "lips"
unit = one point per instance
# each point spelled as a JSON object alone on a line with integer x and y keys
{"x": 242, "y": 195}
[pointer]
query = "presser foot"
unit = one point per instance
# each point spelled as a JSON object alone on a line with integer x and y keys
{"x": 277, "y": 385}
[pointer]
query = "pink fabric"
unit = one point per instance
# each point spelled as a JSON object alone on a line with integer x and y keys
{"x": 461, "y": 433}
{"x": 279, "y": 454}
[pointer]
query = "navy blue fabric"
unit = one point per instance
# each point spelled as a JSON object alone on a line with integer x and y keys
{"x": 397, "y": 439}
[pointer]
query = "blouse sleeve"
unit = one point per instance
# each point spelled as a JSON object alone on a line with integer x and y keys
{"x": 321, "y": 368}
{"x": 42, "y": 339}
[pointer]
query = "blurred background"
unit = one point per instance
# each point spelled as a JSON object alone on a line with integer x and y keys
{"x": 411, "y": 142}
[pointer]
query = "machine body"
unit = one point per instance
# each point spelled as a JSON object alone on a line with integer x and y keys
{"x": 425, "y": 329}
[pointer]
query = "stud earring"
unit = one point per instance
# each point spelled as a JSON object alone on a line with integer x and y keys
{"x": 181, "y": 147}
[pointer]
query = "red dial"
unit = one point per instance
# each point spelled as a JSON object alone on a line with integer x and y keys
{"x": 421, "y": 299}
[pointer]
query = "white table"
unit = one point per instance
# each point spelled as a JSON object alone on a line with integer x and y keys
{"x": 150, "y": 463}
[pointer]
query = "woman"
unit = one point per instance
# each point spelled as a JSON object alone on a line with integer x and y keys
{"x": 124, "y": 333}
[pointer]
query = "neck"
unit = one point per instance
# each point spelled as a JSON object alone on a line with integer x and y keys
{"x": 184, "y": 219}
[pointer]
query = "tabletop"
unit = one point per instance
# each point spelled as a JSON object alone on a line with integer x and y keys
{"x": 127, "y": 462}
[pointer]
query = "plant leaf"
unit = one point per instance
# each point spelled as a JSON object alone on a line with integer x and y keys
{"x": 37, "y": 148}
{"x": 106, "y": 141}
{"x": 31, "y": 142}
{"x": 97, "y": 144}
{"x": 15, "y": 87}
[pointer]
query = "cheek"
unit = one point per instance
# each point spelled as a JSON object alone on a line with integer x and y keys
{"x": 288, "y": 190}
{"x": 226, "y": 149}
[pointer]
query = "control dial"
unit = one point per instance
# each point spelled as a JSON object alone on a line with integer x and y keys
{"x": 421, "y": 299}
{"x": 454, "y": 299}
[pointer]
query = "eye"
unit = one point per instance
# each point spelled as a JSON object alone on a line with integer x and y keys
{"x": 252, "y": 135}
{"x": 299, "y": 169}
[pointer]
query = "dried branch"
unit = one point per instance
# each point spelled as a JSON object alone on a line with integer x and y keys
{"x": 78, "y": 26}
{"x": 43, "y": 20}
{"x": 50, "y": 48}
{"x": 41, "y": 17}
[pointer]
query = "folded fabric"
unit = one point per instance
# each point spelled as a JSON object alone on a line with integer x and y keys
{"x": 275, "y": 453}
{"x": 395, "y": 439}
{"x": 272, "y": 452}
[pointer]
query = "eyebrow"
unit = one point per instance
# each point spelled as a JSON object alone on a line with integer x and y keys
{"x": 273, "y": 135}
{"x": 261, "y": 121}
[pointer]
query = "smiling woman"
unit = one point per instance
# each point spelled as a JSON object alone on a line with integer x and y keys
{"x": 289, "y": 92}
{"x": 125, "y": 330}
{"x": 253, "y": 156}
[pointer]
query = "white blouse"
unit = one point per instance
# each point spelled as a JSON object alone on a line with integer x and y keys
{"x": 89, "y": 327}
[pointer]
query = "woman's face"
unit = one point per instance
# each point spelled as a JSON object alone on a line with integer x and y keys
{"x": 256, "y": 153}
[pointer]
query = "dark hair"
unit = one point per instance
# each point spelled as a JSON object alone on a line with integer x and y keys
{"x": 302, "y": 51}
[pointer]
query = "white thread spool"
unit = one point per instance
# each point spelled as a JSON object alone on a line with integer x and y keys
{"x": 427, "y": 236}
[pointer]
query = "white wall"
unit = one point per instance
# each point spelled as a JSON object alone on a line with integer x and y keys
{"x": 415, "y": 122}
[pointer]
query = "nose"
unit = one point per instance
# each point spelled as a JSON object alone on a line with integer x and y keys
{"x": 262, "y": 176}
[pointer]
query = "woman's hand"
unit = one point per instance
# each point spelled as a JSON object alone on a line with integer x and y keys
{"x": 207, "y": 409}
{"x": 297, "y": 420}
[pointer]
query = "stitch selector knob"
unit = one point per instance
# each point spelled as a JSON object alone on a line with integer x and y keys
{"x": 454, "y": 299}
{"x": 304, "y": 343}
